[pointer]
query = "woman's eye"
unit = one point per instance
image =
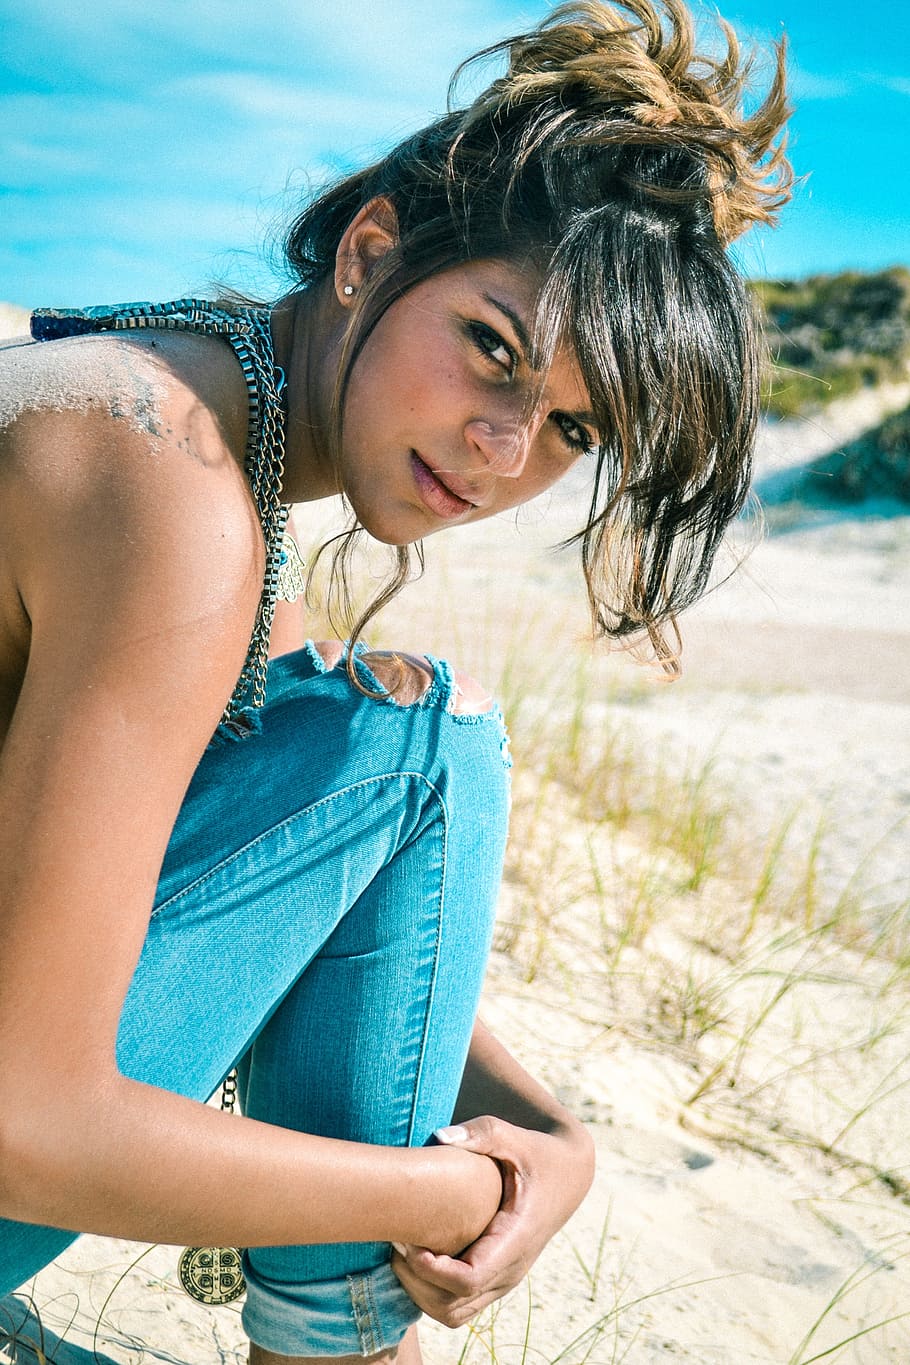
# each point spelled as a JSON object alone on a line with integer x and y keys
{"x": 491, "y": 345}
{"x": 576, "y": 437}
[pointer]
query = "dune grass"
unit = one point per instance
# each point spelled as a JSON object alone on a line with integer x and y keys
{"x": 636, "y": 883}
{"x": 601, "y": 819}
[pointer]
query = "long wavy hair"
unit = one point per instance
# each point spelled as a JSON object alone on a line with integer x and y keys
{"x": 618, "y": 160}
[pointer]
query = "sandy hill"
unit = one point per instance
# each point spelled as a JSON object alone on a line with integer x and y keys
{"x": 13, "y": 320}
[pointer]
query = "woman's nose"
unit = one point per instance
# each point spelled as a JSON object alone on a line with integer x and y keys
{"x": 504, "y": 446}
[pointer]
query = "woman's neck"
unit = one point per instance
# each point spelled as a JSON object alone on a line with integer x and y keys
{"x": 307, "y": 339}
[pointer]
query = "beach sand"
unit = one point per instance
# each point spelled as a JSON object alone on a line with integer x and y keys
{"x": 765, "y": 1219}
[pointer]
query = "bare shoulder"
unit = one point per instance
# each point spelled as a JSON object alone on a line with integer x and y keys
{"x": 164, "y": 387}
{"x": 123, "y": 501}
{"x": 107, "y": 437}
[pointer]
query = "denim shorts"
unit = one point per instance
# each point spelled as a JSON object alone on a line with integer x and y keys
{"x": 322, "y": 920}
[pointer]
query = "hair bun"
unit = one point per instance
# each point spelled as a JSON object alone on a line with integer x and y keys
{"x": 633, "y": 72}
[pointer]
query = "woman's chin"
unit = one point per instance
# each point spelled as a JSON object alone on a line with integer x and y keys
{"x": 398, "y": 532}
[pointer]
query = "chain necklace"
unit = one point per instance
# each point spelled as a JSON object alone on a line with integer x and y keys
{"x": 264, "y": 466}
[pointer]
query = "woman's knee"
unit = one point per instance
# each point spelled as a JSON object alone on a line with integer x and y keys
{"x": 408, "y": 677}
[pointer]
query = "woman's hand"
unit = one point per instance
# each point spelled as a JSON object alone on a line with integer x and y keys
{"x": 545, "y": 1176}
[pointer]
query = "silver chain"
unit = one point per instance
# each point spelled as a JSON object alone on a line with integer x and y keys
{"x": 264, "y": 467}
{"x": 229, "y": 1092}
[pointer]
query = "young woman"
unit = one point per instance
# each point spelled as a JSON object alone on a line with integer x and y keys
{"x": 536, "y": 279}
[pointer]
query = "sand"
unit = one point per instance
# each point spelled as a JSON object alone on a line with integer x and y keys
{"x": 720, "y": 1229}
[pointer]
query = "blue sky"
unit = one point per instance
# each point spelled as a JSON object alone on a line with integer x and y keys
{"x": 149, "y": 146}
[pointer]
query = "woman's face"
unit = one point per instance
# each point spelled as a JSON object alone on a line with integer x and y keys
{"x": 436, "y": 425}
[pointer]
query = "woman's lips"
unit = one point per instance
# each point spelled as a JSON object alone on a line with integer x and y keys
{"x": 434, "y": 493}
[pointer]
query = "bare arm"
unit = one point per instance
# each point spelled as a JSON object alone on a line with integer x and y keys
{"x": 139, "y": 570}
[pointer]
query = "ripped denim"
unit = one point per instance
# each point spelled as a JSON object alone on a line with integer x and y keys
{"x": 323, "y": 918}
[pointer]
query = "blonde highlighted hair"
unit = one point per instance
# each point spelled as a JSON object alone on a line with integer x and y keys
{"x": 635, "y": 71}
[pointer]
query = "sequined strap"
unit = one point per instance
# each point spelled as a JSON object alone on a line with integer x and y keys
{"x": 186, "y": 315}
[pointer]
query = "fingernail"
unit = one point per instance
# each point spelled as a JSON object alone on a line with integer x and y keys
{"x": 402, "y": 1250}
{"x": 455, "y": 1133}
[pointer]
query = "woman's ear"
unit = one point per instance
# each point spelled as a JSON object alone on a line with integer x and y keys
{"x": 371, "y": 233}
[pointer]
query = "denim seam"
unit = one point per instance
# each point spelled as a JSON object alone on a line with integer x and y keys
{"x": 431, "y": 983}
{"x": 366, "y": 1318}
{"x": 289, "y": 820}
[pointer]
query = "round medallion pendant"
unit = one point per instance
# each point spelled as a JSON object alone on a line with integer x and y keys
{"x": 212, "y": 1274}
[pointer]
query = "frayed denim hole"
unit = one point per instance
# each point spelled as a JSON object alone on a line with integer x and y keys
{"x": 505, "y": 743}
{"x": 443, "y": 690}
{"x": 365, "y": 674}
{"x": 495, "y": 717}
{"x": 434, "y": 694}
{"x": 241, "y": 725}
{"x": 315, "y": 657}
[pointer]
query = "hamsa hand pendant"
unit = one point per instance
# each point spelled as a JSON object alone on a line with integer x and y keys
{"x": 291, "y": 579}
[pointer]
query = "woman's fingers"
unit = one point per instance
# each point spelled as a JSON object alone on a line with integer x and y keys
{"x": 486, "y": 1134}
{"x": 492, "y": 1137}
{"x": 453, "y": 1289}
{"x": 427, "y": 1287}
{"x": 454, "y": 1277}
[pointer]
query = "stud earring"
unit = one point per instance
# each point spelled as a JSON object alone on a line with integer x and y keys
{"x": 348, "y": 290}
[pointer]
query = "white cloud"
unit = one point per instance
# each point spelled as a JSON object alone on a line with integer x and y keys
{"x": 260, "y": 97}
{"x": 811, "y": 85}
{"x": 407, "y": 46}
{"x": 899, "y": 84}
{"x": 27, "y": 162}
